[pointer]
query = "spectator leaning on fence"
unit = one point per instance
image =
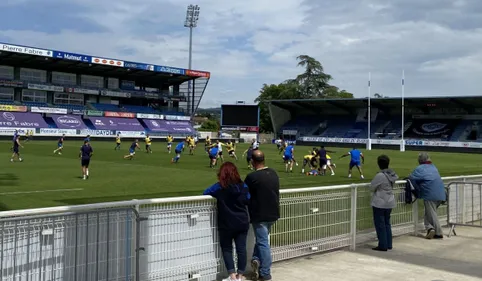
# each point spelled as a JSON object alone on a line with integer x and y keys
{"x": 233, "y": 219}
{"x": 427, "y": 180}
{"x": 264, "y": 211}
{"x": 383, "y": 201}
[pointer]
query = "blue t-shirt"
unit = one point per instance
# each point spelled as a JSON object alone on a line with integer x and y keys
{"x": 355, "y": 155}
{"x": 213, "y": 151}
{"x": 86, "y": 152}
{"x": 15, "y": 136}
{"x": 180, "y": 146}
{"x": 133, "y": 145}
{"x": 15, "y": 142}
{"x": 289, "y": 150}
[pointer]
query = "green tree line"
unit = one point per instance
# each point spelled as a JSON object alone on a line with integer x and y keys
{"x": 313, "y": 83}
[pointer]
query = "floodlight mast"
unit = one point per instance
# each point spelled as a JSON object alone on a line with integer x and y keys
{"x": 192, "y": 17}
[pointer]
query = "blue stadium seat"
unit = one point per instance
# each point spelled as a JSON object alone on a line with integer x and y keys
{"x": 31, "y": 103}
{"x": 106, "y": 107}
{"x": 7, "y": 102}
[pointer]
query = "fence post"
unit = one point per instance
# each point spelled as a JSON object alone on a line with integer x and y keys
{"x": 354, "y": 195}
{"x": 415, "y": 217}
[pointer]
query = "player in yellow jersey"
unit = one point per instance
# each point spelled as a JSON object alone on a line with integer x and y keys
{"x": 169, "y": 140}
{"x": 207, "y": 144}
{"x": 117, "y": 142}
{"x": 330, "y": 165}
{"x": 192, "y": 145}
{"x": 148, "y": 142}
{"x": 310, "y": 160}
{"x": 231, "y": 147}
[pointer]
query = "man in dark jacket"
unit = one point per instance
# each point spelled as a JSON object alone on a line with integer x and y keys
{"x": 427, "y": 180}
{"x": 264, "y": 211}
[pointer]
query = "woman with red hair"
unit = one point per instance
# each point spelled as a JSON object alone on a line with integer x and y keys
{"x": 232, "y": 197}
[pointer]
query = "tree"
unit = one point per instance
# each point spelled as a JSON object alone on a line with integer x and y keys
{"x": 377, "y": 96}
{"x": 210, "y": 126}
{"x": 313, "y": 83}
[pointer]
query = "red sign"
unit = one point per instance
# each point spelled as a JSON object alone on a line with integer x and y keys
{"x": 119, "y": 114}
{"x": 196, "y": 73}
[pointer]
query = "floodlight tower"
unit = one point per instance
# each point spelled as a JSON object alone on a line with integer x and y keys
{"x": 192, "y": 16}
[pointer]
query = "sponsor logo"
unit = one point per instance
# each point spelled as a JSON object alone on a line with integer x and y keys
{"x": 413, "y": 142}
{"x": 98, "y": 122}
{"x": 172, "y": 70}
{"x": 70, "y": 56}
{"x": 196, "y": 73}
{"x": 82, "y": 91}
{"x": 111, "y": 62}
{"x": 95, "y": 113}
{"x": 433, "y": 127}
{"x": 97, "y": 132}
{"x": 16, "y": 108}
{"x": 58, "y": 131}
{"x": 142, "y": 66}
{"x": 43, "y": 87}
{"x": 68, "y": 121}
{"x": 177, "y": 117}
{"x": 9, "y": 83}
{"x": 115, "y": 94}
{"x": 8, "y": 116}
{"x": 26, "y": 50}
{"x": 155, "y": 124}
{"x": 119, "y": 114}
{"x": 48, "y": 110}
{"x": 149, "y": 116}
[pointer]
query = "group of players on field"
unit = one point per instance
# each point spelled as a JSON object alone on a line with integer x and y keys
{"x": 318, "y": 160}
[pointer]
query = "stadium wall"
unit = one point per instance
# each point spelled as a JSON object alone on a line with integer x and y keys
{"x": 172, "y": 239}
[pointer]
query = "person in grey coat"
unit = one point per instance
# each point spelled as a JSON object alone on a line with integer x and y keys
{"x": 383, "y": 201}
{"x": 431, "y": 188}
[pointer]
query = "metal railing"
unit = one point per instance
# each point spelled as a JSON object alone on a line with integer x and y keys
{"x": 176, "y": 238}
{"x": 465, "y": 205}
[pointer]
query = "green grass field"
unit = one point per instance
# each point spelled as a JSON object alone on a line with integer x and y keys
{"x": 45, "y": 179}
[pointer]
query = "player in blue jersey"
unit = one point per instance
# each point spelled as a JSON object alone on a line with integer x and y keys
{"x": 85, "y": 154}
{"x": 60, "y": 145}
{"x": 178, "y": 150}
{"x": 213, "y": 156}
{"x": 356, "y": 160}
{"x": 288, "y": 156}
{"x": 15, "y": 149}
{"x": 132, "y": 150}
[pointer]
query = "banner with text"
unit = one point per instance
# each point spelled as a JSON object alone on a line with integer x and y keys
{"x": 68, "y": 132}
{"x": 97, "y": 132}
{"x": 77, "y": 112}
{"x": 120, "y": 124}
{"x": 119, "y": 114}
{"x": 177, "y": 117}
{"x": 10, "y": 83}
{"x": 241, "y": 129}
{"x": 115, "y": 94}
{"x": 68, "y": 121}
{"x": 82, "y": 91}
{"x": 95, "y": 113}
{"x": 149, "y": 116}
{"x": 132, "y": 134}
{"x": 16, "y": 108}
{"x": 52, "y": 110}
{"x": 43, "y": 87}
{"x": 431, "y": 128}
{"x": 25, "y": 120}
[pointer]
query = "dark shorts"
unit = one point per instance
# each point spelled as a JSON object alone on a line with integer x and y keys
{"x": 85, "y": 162}
{"x": 231, "y": 152}
{"x": 220, "y": 153}
{"x": 323, "y": 162}
{"x": 212, "y": 157}
{"x": 15, "y": 149}
{"x": 355, "y": 164}
{"x": 177, "y": 151}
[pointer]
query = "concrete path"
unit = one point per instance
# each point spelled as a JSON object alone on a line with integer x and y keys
{"x": 413, "y": 258}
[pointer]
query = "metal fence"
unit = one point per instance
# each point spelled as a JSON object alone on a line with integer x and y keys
{"x": 465, "y": 206}
{"x": 173, "y": 239}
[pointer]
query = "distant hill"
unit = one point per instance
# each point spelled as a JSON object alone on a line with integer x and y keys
{"x": 213, "y": 110}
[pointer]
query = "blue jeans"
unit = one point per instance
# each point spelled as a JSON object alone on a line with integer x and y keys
{"x": 381, "y": 219}
{"x": 262, "y": 250}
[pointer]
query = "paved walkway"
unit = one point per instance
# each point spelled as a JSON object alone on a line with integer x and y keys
{"x": 413, "y": 258}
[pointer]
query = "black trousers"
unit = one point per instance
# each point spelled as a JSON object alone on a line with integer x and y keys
{"x": 226, "y": 238}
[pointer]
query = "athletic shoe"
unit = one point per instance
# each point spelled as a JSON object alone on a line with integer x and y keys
{"x": 430, "y": 233}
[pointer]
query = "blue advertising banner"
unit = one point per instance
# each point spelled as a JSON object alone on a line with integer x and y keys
{"x": 172, "y": 70}
{"x": 141, "y": 66}
{"x": 71, "y": 56}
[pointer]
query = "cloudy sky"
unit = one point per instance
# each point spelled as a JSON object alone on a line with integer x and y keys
{"x": 247, "y": 43}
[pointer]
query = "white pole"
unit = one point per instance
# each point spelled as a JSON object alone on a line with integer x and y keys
{"x": 402, "y": 142}
{"x": 369, "y": 142}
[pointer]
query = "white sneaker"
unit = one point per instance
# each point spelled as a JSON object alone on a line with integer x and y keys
{"x": 362, "y": 177}
{"x": 349, "y": 176}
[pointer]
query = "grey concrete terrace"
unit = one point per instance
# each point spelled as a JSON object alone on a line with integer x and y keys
{"x": 413, "y": 258}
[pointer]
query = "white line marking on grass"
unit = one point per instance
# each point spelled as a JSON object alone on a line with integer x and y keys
{"x": 41, "y": 191}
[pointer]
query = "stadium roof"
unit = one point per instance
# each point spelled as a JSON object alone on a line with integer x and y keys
{"x": 148, "y": 74}
{"x": 348, "y": 105}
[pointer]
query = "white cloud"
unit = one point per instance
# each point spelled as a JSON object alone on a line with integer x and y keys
{"x": 248, "y": 43}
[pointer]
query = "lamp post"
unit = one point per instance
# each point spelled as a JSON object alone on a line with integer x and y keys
{"x": 192, "y": 16}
